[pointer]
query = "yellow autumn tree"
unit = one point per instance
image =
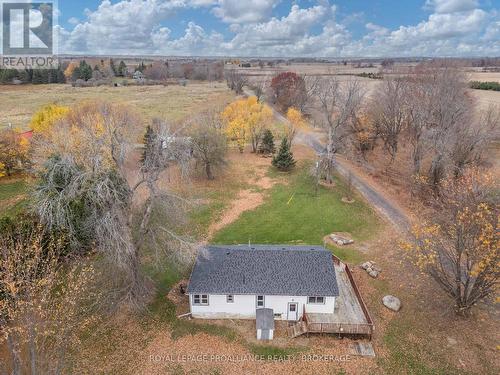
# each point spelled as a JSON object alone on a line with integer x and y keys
{"x": 458, "y": 244}
{"x": 46, "y": 117}
{"x": 295, "y": 122}
{"x": 246, "y": 120}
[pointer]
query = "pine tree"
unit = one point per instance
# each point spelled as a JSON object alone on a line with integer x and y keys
{"x": 112, "y": 66}
{"x": 141, "y": 67}
{"x": 148, "y": 140}
{"x": 284, "y": 159}
{"x": 122, "y": 69}
{"x": 267, "y": 145}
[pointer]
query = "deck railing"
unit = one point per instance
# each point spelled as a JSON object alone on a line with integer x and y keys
{"x": 341, "y": 328}
{"x": 345, "y": 328}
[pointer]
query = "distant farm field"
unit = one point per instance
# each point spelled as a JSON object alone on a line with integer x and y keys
{"x": 486, "y": 98}
{"x": 19, "y": 103}
{"x": 485, "y": 76}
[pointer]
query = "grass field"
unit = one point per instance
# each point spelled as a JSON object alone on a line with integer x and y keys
{"x": 295, "y": 213}
{"x": 12, "y": 192}
{"x": 173, "y": 103}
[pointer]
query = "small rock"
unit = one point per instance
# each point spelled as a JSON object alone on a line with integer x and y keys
{"x": 373, "y": 274}
{"x": 451, "y": 341}
{"x": 392, "y": 303}
{"x": 340, "y": 243}
{"x": 376, "y": 268}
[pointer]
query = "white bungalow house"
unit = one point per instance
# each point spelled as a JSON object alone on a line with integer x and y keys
{"x": 234, "y": 281}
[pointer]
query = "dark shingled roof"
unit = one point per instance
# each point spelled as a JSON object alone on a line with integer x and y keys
{"x": 264, "y": 319}
{"x": 264, "y": 269}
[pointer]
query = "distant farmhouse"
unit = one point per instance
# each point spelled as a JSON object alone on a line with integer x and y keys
{"x": 305, "y": 285}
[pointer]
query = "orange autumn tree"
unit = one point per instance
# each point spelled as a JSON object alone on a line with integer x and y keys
{"x": 246, "y": 120}
{"x": 458, "y": 244}
{"x": 13, "y": 152}
{"x": 68, "y": 73}
{"x": 296, "y": 122}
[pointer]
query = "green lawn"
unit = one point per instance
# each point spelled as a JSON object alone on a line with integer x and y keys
{"x": 10, "y": 189}
{"x": 11, "y": 200}
{"x": 295, "y": 213}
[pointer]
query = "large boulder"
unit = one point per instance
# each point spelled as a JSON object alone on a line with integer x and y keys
{"x": 392, "y": 303}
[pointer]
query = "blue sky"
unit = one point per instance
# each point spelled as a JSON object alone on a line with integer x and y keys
{"x": 320, "y": 28}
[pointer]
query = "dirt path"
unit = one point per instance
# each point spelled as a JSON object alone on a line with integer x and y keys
{"x": 248, "y": 199}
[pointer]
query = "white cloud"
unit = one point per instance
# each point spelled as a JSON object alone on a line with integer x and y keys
{"x": 451, "y": 6}
{"x": 74, "y": 21}
{"x": 123, "y": 27}
{"x": 455, "y": 28}
{"x": 238, "y": 11}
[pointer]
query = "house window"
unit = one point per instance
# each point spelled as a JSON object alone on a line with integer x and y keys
{"x": 260, "y": 301}
{"x": 316, "y": 300}
{"x": 200, "y": 299}
{"x": 229, "y": 298}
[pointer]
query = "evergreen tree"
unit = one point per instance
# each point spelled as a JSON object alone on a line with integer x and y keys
{"x": 37, "y": 77}
{"x": 7, "y": 75}
{"x": 267, "y": 145}
{"x": 61, "y": 78}
{"x": 122, "y": 69}
{"x": 25, "y": 76}
{"x": 284, "y": 159}
{"x": 141, "y": 67}
{"x": 85, "y": 71}
{"x": 149, "y": 144}
{"x": 112, "y": 66}
{"x": 75, "y": 75}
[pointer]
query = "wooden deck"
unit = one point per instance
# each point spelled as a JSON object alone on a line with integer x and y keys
{"x": 350, "y": 316}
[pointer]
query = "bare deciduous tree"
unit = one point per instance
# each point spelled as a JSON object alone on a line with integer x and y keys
{"x": 451, "y": 109}
{"x": 418, "y": 103}
{"x": 159, "y": 71}
{"x": 209, "y": 141}
{"x": 468, "y": 143}
{"x": 338, "y": 103}
{"x": 235, "y": 80}
{"x": 261, "y": 87}
{"x": 389, "y": 113}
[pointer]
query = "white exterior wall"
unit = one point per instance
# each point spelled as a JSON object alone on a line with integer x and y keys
{"x": 259, "y": 334}
{"x": 244, "y": 306}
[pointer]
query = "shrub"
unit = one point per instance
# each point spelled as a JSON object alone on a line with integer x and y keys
{"x": 267, "y": 146}
{"x": 494, "y": 86}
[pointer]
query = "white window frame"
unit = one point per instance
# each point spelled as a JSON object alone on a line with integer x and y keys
{"x": 200, "y": 298}
{"x": 313, "y": 300}
{"x": 263, "y": 301}
{"x": 230, "y": 298}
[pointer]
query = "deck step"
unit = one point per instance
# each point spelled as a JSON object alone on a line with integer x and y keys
{"x": 297, "y": 329}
